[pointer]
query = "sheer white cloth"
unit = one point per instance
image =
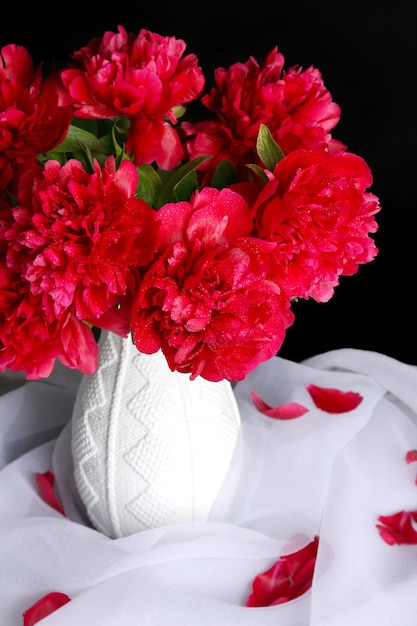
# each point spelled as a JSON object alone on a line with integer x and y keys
{"x": 322, "y": 474}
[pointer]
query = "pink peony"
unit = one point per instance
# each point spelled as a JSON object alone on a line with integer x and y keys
{"x": 212, "y": 299}
{"x": 318, "y": 212}
{"x": 31, "y": 122}
{"x": 294, "y": 104}
{"x": 141, "y": 78}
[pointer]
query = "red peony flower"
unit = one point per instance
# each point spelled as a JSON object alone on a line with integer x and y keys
{"x": 141, "y": 78}
{"x": 32, "y": 335}
{"x": 212, "y": 299}
{"x": 318, "y": 212}
{"x": 290, "y": 577}
{"x": 31, "y": 122}
{"x": 80, "y": 238}
{"x": 208, "y": 278}
{"x": 294, "y": 104}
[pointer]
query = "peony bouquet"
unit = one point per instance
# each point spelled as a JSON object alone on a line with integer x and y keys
{"x": 136, "y": 200}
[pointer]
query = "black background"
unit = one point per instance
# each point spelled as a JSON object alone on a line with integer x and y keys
{"x": 366, "y": 52}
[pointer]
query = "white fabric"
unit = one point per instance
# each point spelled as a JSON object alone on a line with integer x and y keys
{"x": 321, "y": 474}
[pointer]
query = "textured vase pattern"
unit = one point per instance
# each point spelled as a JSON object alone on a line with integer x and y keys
{"x": 150, "y": 447}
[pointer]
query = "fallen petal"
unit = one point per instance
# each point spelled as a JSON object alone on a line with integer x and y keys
{"x": 334, "y": 400}
{"x": 290, "y": 577}
{"x": 44, "y": 607}
{"x": 411, "y": 456}
{"x": 45, "y": 484}
{"x": 283, "y": 412}
{"x": 398, "y": 528}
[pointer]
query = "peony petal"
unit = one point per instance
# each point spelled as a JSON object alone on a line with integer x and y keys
{"x": 44, "y": 607}
{"x": 398, "y": 528}
{"x": 79, "y": 346}
{"x": 283, "y": 412}
{"x": 45, "y": 484}
{"x": 290, "y": 577}
{"x": 334, "y": 400}
{"x": 411, "y": 456}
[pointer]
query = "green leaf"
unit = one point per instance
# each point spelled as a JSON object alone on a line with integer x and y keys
{"x": 179, "y": 111}
{"x": 184, "y": 188}
{"x": 76, "y": 138}
{"x": 260, "y": 173}
{"x": 172, "y": 179}
{"x": 118, "y": 149}
{"x": 149, "y": 184}
{"x": 108, "y": 143}
{"x": 224, "y": 175}
{"x": 268, "y": 150}
{"x": 52, "y": 155}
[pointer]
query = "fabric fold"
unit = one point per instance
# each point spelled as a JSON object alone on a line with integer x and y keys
{"x": 321, "y": 474}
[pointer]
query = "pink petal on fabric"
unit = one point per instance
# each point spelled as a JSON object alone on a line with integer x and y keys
{"x": 45, "y": 484}
{"x": 283, "y": 412}
{"x": 398, "y": 528}
{"x": 44, "y": 607}
{"x": 411, "y": 456}
{"x": 290, "y": 577}
{"x": 334, "y": 400}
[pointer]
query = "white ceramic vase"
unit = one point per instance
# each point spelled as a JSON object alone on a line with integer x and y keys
{"x": 150, "y": 447}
